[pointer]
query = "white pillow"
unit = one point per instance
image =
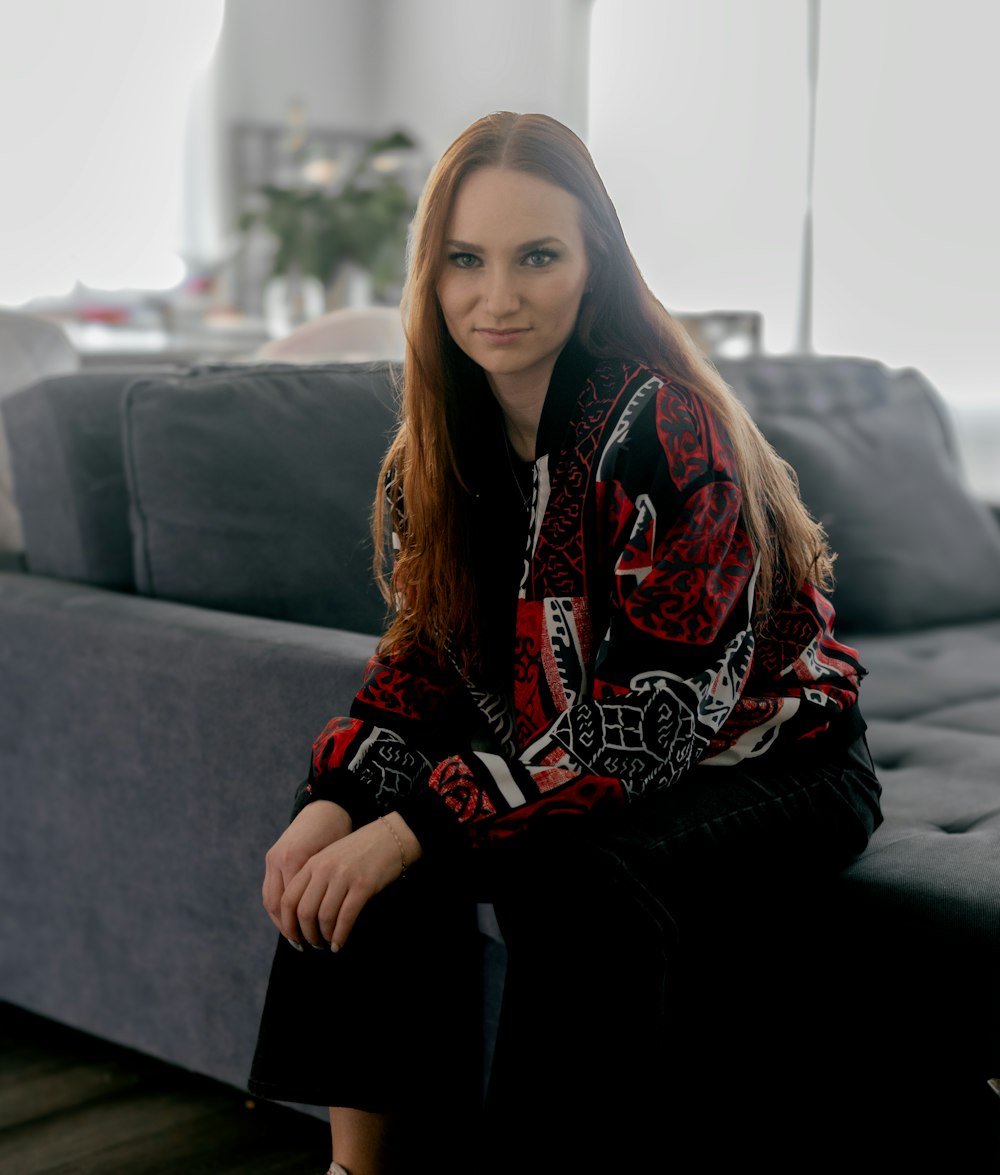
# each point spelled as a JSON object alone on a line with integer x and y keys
{"x": 30, "y": 349}
{"x": 342, "y": 336}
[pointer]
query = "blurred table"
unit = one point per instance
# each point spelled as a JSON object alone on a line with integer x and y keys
{"x": 121, "y": 346}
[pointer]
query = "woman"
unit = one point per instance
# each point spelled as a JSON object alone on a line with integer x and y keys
{"x": 609, "y": 700}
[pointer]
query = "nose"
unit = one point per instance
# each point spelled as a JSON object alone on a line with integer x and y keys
{"x": 501, "y": 294}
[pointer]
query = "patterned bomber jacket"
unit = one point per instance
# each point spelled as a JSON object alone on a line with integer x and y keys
{"x": 632, "y": 656}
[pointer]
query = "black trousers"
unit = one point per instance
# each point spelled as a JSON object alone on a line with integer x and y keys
{"x": 668, "y": 995}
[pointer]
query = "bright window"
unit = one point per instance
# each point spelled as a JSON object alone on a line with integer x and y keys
{"x": 908, "y": 188}
{"x": 698, "y": 122}
{"x": 94, "y": 99}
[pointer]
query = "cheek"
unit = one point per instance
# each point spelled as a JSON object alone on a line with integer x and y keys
{"x": 450, "y": 298}
{"x": 566, "y": 301}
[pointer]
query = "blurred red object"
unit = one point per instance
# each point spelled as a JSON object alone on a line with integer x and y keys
{"x": 112, "y": 315}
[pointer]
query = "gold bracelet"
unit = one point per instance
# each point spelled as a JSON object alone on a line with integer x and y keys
{"x": 399, "y": 844}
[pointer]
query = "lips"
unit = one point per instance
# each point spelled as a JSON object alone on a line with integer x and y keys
{"x": 500, "y": 337}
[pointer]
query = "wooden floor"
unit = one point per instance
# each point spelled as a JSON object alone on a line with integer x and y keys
{"x": 71, "y": 1104}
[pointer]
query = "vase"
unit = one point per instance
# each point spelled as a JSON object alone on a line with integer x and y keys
{"x": 359, "y": 286}
{"x": 352, "y": 289}
{"x": 290, "y": 300}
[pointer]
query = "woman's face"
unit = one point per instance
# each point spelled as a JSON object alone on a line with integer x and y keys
{"x": 513, "y": 273}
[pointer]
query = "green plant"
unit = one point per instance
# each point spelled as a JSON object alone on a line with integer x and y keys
{"x": 364, "y": 220}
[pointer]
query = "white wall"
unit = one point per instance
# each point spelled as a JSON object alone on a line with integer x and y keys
{"x": 431, "y": 65}
{"x": 443, "y": 63}
{"x": 275, "y": 51}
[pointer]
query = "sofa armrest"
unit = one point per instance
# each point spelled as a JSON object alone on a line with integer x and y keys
{"x": 149, "y": 753}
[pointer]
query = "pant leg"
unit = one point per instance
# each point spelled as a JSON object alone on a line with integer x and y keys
{"x": 392, "y": 1021}
{"x": 588, "y": 980}
{"x": 648, "y": 1007}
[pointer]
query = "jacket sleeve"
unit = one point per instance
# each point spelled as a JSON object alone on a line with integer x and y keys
{"x": 676, "y": 652}
{"x": 407, "y": 711}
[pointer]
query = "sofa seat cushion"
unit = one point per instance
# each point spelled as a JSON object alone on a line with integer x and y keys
{"x": 947, "y": 676}
{"x": 251, "y": 489}
{"x": 934, "y": 865}
{"x": 877, "y": 466}
{"x": 932, "y": 700}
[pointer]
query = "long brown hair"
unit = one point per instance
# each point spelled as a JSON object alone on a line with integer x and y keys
{"x": 430, "y": 584}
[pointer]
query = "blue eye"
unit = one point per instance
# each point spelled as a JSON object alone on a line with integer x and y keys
{"x": 463, "y": 260}
{"x": 539, "y": 258}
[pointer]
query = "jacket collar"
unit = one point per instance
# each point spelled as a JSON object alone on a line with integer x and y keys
{"x": 560, "y": 408}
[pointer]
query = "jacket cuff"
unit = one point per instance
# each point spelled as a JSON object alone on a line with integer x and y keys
{"x": 432, "y": 822}
{"x": 344, "y": 788}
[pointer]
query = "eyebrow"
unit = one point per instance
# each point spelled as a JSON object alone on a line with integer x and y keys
{"x": 468, "y": 247}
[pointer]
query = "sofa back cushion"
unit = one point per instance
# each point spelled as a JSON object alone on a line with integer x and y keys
{"x": 251, "y": 489}
{"x": 64, "y": 434}
{"x": 876, "y": 465}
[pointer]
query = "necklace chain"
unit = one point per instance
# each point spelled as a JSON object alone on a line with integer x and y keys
{"x": 525, "y": 502}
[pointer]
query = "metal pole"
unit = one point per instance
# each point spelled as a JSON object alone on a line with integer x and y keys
{"x": 804, "y": 336}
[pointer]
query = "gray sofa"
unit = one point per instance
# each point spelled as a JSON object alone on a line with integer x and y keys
{"x": 194, "y": 603}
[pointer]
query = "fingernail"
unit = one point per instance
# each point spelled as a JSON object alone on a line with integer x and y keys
{"x": 297, "y": 945}
{"x": 334, "y": 947}
{"x": 318, "y": 946}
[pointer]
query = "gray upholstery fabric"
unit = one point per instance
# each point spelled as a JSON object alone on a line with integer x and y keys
{"x": 932, "y": 700}
{"x": 251, "y": 489}
{"x": 65, "y": 443}
{"x": 149, "y": 754}
{"x": 876, "y": 466}
{"x": 30, "y": 348}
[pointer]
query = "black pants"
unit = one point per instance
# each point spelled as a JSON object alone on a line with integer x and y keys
{"x": 666, "y": 990}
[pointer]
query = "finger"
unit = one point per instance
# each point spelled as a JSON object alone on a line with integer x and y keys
{"x": 354, "y": 902}
{"x": 288, "y": 922}
{"x": 329, "y": 908}
{"x": 271, "y": 892}
{"x": 320, "y": 891}
{"x": 277, "y": 873}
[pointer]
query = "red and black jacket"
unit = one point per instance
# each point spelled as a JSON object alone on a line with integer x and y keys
{"x": 625, "y": 644}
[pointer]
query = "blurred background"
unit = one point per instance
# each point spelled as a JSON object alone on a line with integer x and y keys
{"x": 194, "y": 177}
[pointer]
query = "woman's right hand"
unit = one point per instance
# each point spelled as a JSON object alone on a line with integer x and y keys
{"x": 318, "y": 825}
